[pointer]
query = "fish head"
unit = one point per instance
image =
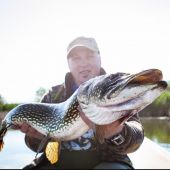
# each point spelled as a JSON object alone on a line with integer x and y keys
{"x": 107, "y": 98}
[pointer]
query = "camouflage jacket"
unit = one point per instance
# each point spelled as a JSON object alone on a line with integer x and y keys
{"x": 132, "y": 133}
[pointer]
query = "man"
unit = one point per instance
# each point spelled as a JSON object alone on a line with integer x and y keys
{"x": 87, "y": 152}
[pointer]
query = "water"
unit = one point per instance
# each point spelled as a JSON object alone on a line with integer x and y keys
{"x": 15, "y": 154}
{"x": 158, "y": 130}
{"x": 166, "y": 146}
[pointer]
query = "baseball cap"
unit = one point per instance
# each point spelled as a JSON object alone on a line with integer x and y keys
{"x": 87, "y": 42}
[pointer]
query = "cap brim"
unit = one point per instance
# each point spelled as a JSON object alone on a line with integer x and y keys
{"x": 80, "y": 45}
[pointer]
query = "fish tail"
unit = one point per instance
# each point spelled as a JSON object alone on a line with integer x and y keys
{"x": 1, "y": 144}
{"x": 3, "y": 130}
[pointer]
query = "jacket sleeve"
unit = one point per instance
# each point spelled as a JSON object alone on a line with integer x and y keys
{"x": 133, "y": 135}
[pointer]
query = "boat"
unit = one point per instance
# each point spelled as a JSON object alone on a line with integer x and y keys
{"x": 150, "y": 156}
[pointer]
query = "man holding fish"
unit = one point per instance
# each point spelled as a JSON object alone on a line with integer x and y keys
{"x": 120, "y": 137}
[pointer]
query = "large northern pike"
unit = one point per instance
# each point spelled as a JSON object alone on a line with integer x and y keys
{"x": 103, "y": 100}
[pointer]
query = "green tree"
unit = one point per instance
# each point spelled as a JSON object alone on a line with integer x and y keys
{"x": 39, "y": 93}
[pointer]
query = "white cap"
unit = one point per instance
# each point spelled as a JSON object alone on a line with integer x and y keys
{"x": 87, "y": 42}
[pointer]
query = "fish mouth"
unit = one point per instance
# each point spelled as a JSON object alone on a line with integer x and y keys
{"x": 147, "y": 76}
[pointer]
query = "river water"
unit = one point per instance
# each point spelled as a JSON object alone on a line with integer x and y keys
{"x": 16, "y": 155}
{"x": 158, "y": 130}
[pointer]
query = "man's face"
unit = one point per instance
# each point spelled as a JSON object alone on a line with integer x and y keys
{"x": 84, "y": 64}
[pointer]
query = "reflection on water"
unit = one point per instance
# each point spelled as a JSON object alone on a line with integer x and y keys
{"x": 158, "y": 130}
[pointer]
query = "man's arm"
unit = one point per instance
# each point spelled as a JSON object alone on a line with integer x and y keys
{"x": 127, "y": 140}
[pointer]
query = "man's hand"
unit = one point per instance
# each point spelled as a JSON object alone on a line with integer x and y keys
{"x": 28, "y": 130}
{"x": 107, "y": 131}
{"x": 111, "y": 129}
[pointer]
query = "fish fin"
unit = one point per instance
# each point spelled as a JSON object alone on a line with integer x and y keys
{"x": 52, "y": 151}
{"x": 1, "y": 145}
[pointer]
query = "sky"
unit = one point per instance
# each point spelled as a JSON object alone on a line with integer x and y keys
{"x": 34, "y": 34}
